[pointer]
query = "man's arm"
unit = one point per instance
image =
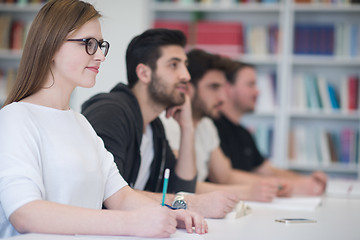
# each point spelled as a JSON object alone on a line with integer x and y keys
{"x": 313, "y": 184}
{"x": 215, "y": 204}
{"x": 186, "y": 163}
{"x": 267, "y": 169}
{"x": 263, "y": 191}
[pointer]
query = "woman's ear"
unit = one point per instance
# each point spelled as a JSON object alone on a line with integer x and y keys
{"x": 143, "y": 73}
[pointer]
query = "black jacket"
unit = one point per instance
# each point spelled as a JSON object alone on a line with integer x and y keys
{"x": 116, "y": 118}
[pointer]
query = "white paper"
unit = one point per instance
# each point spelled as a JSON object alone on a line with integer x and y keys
{"x": 292, "y": 203}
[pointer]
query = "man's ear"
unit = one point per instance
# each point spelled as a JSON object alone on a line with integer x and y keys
{"x": 143, "y": 73}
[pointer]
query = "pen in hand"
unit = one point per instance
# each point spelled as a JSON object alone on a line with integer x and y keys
{"x": 166, "y": 179}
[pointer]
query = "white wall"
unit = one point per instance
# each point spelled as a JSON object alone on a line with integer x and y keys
{"x": 121, "y": 21}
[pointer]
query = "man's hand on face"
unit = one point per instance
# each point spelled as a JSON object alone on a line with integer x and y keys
{"x": 182, "y": 113}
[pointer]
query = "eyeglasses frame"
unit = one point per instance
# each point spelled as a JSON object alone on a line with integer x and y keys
{"x": 86, "y": 40}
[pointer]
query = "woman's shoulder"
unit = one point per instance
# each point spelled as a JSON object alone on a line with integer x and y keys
{"x": 13, "y": 109}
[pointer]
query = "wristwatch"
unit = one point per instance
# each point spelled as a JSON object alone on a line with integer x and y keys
{"x": 179, "y": 201}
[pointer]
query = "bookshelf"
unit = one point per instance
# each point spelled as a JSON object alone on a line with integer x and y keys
{"x": 333, "y": 65}
{"x": 15, "y": 19}
{"x": 340, "y": 125}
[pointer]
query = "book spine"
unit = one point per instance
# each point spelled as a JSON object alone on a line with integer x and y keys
{"x": 353, "y": 92}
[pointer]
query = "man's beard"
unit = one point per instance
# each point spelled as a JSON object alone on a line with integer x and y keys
{"x": 157, "y": 92}
{"x": 239, "y": 107}
{"x": 200, "y": 110}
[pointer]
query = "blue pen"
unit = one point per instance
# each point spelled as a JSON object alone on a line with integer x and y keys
{"x": 166, "y": 179}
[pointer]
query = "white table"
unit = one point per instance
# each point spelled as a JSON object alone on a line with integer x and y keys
{"x": 337, "y": 219}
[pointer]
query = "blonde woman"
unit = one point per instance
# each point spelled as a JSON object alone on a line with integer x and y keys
{"x": 55, "y": 172}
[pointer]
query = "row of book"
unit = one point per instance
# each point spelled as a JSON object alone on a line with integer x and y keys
{"x": 20, "y": 2}
{"x": 7, "y": 78}
{"x": 309, "y": 146}
{"x": 316, "y": 93}
{"x": 260, "y": 1}
{"x": 12, "y": 33}
{"x": 219, "y": 1}
{"x": 227, "y": 38}
{"x": 333, "y": 39}
{"x": 328, "y": 1}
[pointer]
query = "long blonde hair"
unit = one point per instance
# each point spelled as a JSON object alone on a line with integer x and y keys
{"x": 52, "y": 24}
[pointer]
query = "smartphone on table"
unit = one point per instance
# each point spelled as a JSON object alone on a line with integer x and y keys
{"x": 295, "y": 220}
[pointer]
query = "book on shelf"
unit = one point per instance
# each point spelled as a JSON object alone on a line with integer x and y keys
{"x": 262, "y": 39}
{"x": 314, "y": 39}
{"x": 256, "y": 39}
{"x": 17, "y": 35}
{"x": 5, "y": 29}
{"x": 298, "y": 93}
{"x": 274, "y": 38}
{"x": 299, "y": 147}
{"x": 354, "y": 40}
{"x": 324, "y": 93}
{"x": 312, "y": 96}
{"x": 327, "y": 39}
{"x": 344, "y": 94}
{"x": 350, "y": 93}
{"x": 183, "y": 26}
{"x": 334, "y": 99}
{"x": 347, "y": 39}
{"x": 348, "y": 147}
{"x": 353, "y": 90}
{"x": 312, "y": 148}
{"x": 332, "y": 2}
{"x": 13, "y": 33}
{"x": 323, "y": 147}
{"x": 227, "y": 37}
{"x": 266, "y": 101}
{"x": 332, "y": 147}
{"x": 312, "y": 92}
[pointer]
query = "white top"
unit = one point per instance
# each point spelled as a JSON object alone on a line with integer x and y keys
{"x": 147, "y": 156}
{"x": 206, "y": 141}
{"x": 54, "y": 155}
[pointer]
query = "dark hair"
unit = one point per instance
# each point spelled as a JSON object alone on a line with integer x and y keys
{"x": 146, "y": 48}
{"x": 234, "y": 68}
{"x": 200, "y": 62}
{"x": 55, "y": 20}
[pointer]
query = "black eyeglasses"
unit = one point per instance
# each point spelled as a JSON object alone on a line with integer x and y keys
{"x": 91, "y": 45}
